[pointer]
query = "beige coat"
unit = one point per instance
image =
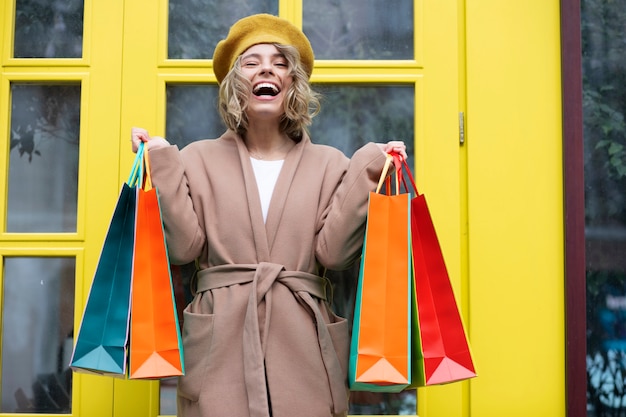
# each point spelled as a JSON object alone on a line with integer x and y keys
{"x": 259, "y": 335}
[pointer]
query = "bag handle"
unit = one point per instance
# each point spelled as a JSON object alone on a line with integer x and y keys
{"x": 147, "y": 177}
{"x": 384, "y": 178}
{"x": 383, "y": 174}
{"x": 135, "y": 171}
{"x": 410, "y": 175}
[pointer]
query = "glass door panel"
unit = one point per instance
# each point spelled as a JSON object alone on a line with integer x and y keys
{"x": 353, "y": 115}
{"x": 604, "y": 133}
{"x": 192, "y": 113}
{"x": 359, "y": 29}
{"x": 52, "y": 29}
{"x": 194, "y": 28}
{"x": 37, "y": 334}
{"x": 43, "y": 162}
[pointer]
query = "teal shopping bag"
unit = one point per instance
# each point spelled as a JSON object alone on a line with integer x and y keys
{"x": 101, "y": 344}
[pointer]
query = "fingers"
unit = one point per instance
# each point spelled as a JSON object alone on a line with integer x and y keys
{"x": 138, "y": 135}
{"x": 396, "y": 146}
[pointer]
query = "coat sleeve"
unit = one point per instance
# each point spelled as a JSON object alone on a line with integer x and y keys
{"x": 340, "y": 237}
{"x": 185, "y": 238}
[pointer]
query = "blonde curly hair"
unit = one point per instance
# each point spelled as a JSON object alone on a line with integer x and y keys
{"x": 301, "y": 102}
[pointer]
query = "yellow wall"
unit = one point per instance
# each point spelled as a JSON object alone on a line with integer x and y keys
{"x": 515, "y": 211}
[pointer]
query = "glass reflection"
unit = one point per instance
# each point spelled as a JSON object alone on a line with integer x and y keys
{"x": 195, "y": 27}
{"x": 43, "y": 159}
{"x": 604, "y": 132}
{"x": 192, "y": 113}
{"x": 359, "y": 29}
{"x": 48, "y": 29}
{"x": 353, "y": 115}
{"x": 37, "y": 335}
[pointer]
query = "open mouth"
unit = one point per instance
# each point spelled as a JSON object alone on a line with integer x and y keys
{"x": 265, "y": 89}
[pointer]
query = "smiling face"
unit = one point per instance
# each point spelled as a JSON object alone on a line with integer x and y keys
{"x": 269, "y": 74}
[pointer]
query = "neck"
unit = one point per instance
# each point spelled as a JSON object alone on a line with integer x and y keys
{"x": 268, "y": 145}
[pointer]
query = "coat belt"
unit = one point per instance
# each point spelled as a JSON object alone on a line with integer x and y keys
{"x": 303, "y": 285}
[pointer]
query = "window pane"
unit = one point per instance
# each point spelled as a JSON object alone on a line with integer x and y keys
{"x": 359, "y": 29}
{"x": 195, "y": 26}
{"x": 353, "y": 115}
{"x": 37, "y": 335}
{"x": 604, "y": 107}
{"x": 192, "y": 113}
{"x": 43, "y": 159}
{"x": 350, "y": 117}
{"x": 48, "y": 29}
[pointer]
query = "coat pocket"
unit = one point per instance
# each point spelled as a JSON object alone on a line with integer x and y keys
{"x": 197, "y": 337}
{"x": 340, "y": 335}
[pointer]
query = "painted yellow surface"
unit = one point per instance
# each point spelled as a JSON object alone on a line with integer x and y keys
{"x": 496, "y": 200}
{"x": 515, "y": 212}
{"x": 99, "y": 74}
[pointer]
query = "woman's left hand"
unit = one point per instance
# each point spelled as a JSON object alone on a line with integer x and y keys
{"x": 394, "y": 146}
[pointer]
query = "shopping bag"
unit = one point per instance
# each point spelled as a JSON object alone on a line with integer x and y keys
{"x": 155, "y": 339}
{"x": 441, "y": 351}
{"x": 101, "y": 342}
{"x": 380, "y": 344}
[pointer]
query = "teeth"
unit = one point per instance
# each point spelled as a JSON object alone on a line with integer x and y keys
{"x": 270, "y": 86}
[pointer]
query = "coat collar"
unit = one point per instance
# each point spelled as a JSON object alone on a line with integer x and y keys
{"x": 265, "y": 233}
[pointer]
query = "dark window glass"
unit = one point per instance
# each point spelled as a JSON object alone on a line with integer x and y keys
{"x": 192, "y": 113}
{"x": 604, "y": 106}
{"x": 37, "y": 334}
{"x": 43, "y": 159}
{"x": 195, "y": 26}
{"x": 48, "y": 29}
{"x": 360, "y": 29}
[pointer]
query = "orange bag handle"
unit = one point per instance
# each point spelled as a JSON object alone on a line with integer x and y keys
{"x": 147, "y": 177}
{"x": 383, "y": 174}
{"x": 384, "y": 178}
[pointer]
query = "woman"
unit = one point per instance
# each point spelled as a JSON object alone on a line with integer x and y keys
{"x": 264, "y": 212}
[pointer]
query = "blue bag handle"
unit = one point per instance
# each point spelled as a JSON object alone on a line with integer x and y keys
{"x": 136, "y": 171}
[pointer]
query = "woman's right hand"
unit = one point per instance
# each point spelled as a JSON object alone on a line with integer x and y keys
{"x": 138, "y": 135}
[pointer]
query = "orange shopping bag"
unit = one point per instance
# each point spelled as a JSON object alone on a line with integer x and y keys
{"x": 155, "y": 339}
{"x": 380, "y": 345}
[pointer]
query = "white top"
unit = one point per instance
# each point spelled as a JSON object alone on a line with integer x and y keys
{"x": 266, "y": 173}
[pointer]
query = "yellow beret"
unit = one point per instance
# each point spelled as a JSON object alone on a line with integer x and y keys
{"x": 257, "y": 29}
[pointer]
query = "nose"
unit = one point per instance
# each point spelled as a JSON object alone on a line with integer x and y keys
{"x": 266, "y": 67}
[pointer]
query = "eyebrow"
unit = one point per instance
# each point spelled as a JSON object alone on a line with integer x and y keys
{"x": 256, "y": 55}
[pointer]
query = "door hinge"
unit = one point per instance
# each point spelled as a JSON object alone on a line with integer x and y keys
{"x": 461, "y": 128}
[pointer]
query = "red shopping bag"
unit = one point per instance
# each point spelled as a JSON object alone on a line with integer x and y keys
{"x": 380, "y": 345}
{"x": 441, "y": 351}
{"x": 155, "y": 339}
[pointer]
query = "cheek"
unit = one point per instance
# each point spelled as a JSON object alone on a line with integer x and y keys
{"x": 288, "y": 83}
